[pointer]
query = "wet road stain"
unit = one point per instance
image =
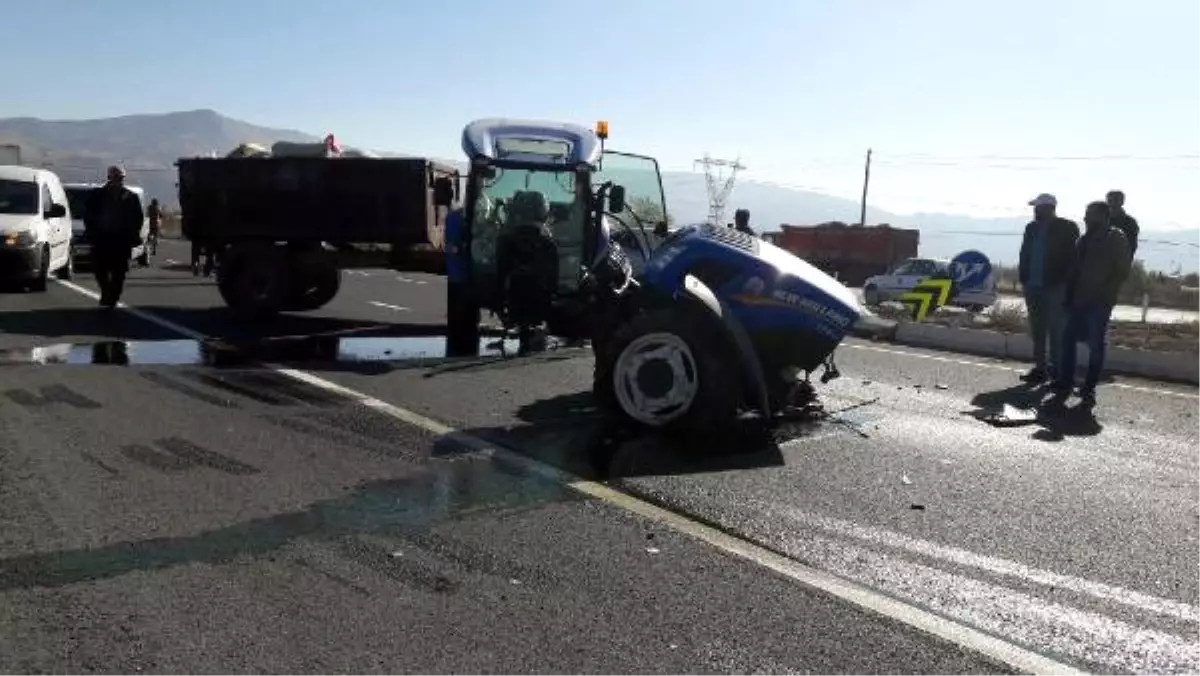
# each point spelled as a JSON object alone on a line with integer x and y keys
{"x": 51, "y": 394}
{"x": 400, "y": 508}
{"x": 396, "y": 351}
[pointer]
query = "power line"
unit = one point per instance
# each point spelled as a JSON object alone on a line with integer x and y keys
{"x": 719, "y": 186}
{"x": 1047, "y": 158}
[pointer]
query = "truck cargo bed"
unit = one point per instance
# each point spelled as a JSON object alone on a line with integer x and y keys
{"x": 342, "y": 201}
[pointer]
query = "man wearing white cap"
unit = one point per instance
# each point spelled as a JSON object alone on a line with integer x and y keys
{"x": 1046, "y": 263}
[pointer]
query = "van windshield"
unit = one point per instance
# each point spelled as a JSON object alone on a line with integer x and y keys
{"x": 18, "y": 197}
{"x": 77, "y": 198}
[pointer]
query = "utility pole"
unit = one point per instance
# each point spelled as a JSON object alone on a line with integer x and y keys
{"x": 862, "y": 214}
{"x": 719, "y": 186}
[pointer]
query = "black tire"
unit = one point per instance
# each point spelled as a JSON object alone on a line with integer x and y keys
{"x": 253, "y": 281}
{"x": 67, "y": 271}
{"x": 42, "y": 281}
{"x": 313, "y": 287}
{"x": 714, "y": 407}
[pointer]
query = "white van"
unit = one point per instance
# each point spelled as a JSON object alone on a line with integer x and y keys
{"x": 35, "y": 227}
{"x": 77, "y": 195}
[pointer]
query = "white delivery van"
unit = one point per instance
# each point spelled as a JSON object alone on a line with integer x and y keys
{"x": 35, "y": 227}
{"x": 907, "y": 274}
{"x": 78, "y": 195}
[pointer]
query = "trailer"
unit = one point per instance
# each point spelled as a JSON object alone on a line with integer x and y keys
{"x": 851, "y": 252}
{"x": 284, "y": 227}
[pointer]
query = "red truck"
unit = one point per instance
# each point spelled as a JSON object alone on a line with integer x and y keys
{"x": 850, "y": 252}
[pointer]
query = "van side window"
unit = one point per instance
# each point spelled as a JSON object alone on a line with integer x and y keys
{"x": 47, "y": 198}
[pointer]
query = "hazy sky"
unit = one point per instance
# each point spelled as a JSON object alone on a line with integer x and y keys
{"x": 798, "y": 88}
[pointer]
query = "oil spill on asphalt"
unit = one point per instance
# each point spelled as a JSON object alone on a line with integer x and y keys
{"x": 408, "y": 508}
{"x": 397, "y": 351}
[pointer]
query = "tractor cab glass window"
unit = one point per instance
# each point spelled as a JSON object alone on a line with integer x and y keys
{"x": 645, "y": 210}
{"x": 18, "y": 197}
{"x": 541, "y": 199}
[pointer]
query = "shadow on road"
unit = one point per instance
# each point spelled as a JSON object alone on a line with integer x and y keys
{"x": 1023, "y": 405}
{"x": 404, "y": 507}
{"x": 570, "y": 433}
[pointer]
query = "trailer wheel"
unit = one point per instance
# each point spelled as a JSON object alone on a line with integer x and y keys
{"x": 313, "y": 287}
{"x": 254, "y": 281}
{"x": 668, "y": 370}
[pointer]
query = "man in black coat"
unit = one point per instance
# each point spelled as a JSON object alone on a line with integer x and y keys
{"x": 1121, "y": 219}
{"x": 1046, "y": 259}
{"x": 114, "y": 227}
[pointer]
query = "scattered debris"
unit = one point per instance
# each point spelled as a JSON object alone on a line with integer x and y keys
{"x": 514, "y": 581}
{"x": 652, "y": 550}
{"x": 940, "y": 386}
{"x": 919, "y": 508}
{"x": 905, "y": 480}
{"x": 866, "y": 382}
{"x": 397, "y": 554}
{"x": 1011, "y": 416}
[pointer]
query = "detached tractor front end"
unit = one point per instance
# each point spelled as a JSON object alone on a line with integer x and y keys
{"x": 715, "y": 322}
{"x": 724, "y": 324}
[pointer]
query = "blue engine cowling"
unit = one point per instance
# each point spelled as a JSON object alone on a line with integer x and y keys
{"x": 793, "y": 314}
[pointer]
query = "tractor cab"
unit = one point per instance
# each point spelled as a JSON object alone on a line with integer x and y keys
{"x": 545, "y": 203}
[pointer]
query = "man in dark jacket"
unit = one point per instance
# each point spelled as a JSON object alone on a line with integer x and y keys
{"x": 741, "y": 221}
{"x": 1128, "y": 224}
{"x": 1047, "y": 250}
{"x": 114, "y": 226}
{"x": 1102, "y": 263}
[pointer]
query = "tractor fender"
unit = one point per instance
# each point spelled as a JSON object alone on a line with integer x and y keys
{"x": 723, "y": 316}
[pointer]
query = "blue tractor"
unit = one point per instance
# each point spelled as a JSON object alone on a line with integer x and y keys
{"x": 690, "y": 328}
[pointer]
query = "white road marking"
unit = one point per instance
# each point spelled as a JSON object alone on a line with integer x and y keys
{"x": 406, "y": 280}
{"x": 1012, "y": 655}
{"x": 389, "y": 306}
{"x": 998, "y": 566}
{"x": 1001, "y": 367}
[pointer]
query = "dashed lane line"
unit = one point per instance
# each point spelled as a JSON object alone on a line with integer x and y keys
{"x": 1015, "y": 656}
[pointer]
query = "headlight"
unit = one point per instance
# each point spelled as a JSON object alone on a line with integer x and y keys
{"x": 24, "y": 238}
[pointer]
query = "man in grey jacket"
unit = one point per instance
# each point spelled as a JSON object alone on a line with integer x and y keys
{"x": 1101, "y": 265}
{"x": 1047, "y": 250}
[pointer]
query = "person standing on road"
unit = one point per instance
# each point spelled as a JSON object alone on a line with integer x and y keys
{"x": 1102, "y": 264}
{"x": 154, "y": 215}
{"x": 741, "y": 221}
{"x": 113, "y": 221}
{"x": 1121, "y": 219}
{"x": 1047, "y": 252}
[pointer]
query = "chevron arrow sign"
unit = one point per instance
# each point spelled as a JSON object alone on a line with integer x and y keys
{"x": 928, "y": 294}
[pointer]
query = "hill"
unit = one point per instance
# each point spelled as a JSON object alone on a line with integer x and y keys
{"x": 148, "y": 145}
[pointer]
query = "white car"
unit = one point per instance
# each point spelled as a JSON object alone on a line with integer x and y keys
{"x": 35, "y": 227}
{"x": 906, "y": 275}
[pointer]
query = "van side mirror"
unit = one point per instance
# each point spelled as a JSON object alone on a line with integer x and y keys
{"x": 56, "y": 211}
{"x": 616, "y": 199}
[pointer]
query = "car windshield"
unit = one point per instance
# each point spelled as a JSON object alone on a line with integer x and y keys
{"x": 18, "y": 197}
{"x": 77, "y": 199}
{"x": 514, "y": 197}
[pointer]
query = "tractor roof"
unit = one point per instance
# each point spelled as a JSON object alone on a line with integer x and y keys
{"x": 535, "y": 141}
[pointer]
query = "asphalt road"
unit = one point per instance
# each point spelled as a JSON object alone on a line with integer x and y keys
{"x": 172, "y": 516}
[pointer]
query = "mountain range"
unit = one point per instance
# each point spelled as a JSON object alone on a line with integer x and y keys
{"x": 148, "y": 145}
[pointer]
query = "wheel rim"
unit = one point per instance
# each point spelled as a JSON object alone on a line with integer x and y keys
{"x": 656, "y": 379}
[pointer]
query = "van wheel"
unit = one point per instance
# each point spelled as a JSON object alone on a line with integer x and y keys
{"x": 67, "y": 271}
{"x": 43, "y": 279}
{"x": 667, "y": 370}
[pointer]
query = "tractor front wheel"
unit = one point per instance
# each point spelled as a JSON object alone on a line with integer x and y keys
{"x": 668, "y": 370}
